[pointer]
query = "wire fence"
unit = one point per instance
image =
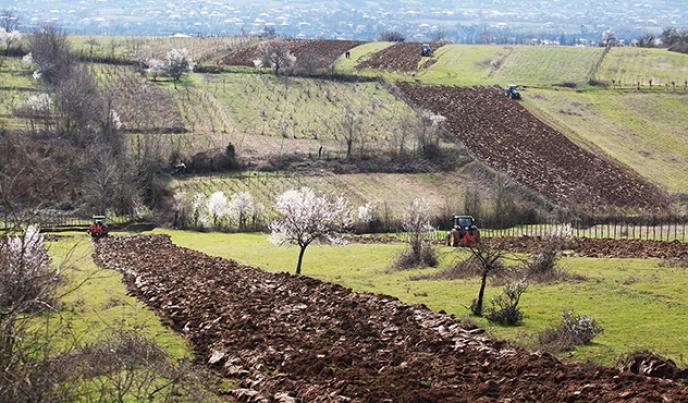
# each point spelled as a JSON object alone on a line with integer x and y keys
{"x": 58, "y": 221}
{"x": 671, "y": 231}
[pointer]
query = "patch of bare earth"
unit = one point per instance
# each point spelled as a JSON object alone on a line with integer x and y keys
{"x": 505, "y": 135}
{"x": 402, "y": 58}
{"x": 310, "y": 54}
{"x": 296, "y": 339}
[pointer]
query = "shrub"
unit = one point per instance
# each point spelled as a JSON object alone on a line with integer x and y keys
{"x": 542, "y": 266}
{"x": 504, "y": 309}
{"x": 573, "y": 330}
{"x": 424, "y": 256}
{"x": 391, "y": 36}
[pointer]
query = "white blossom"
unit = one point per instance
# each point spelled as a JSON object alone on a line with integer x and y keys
{"x": 115, "y": 119}
{"x": 28, "y": 59}
{"x": 182, "y": 202}
{"x": 241, "y": 207}
{"x": 38, "y": 103}
{"x": 307, "y": 218}
{"x": 416, "y": 217}
{"x": 365, "y": 212}
{"x": 431, "y": 119}
{"x": 217, "y": 206}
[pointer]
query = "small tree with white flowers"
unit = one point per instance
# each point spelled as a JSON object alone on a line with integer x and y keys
{"x": 307, "y": 218}
{"x": 416, "y": 223}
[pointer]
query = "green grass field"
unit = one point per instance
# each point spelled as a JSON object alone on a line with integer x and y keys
{"x": 645, "y": 131}
{"x": 465, "y": 65}
{"x": 640, "y": 303}
{"x": 96, "y": 301}
{"x": 629, "y": 66}
{"x": 540, "y": 65}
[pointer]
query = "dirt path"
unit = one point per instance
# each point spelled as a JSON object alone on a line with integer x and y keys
{"x": 296, "y": 339}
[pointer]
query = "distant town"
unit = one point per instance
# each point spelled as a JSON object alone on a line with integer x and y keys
{"x": 469, "y": 21}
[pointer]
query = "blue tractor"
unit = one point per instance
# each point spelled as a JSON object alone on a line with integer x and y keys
{"x": 511, "y": 91}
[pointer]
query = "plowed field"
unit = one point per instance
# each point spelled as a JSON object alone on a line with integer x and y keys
{"x": 295, "y": 339}
{"x": 600, "y": 248}
{"x": 401, "y": 58}
{"x": 502, "y": 133}
{"x": 318, "y": 53}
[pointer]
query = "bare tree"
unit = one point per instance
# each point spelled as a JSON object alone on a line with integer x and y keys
{"x": 307, "y": 218}
{"x": 609, "y": 38}
{"x": 351, "y": 126}
{"x": 490, "y": 261}
{"x": 8, "y": 21}
{"x": 275, "y": 53}
{"x": 52, "y": 53}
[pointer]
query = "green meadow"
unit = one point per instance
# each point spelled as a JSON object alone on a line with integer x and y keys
{"x": 640, "y": 303}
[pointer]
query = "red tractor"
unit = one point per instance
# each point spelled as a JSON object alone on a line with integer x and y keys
{"x": 464, "y": 233}
{"x": 98, "y": 227}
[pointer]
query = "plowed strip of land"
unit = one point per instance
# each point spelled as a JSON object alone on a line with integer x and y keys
{"x": 402, "y": 58}
{"x": 310, "y": 54}
{"x": 295, "y": 339}
{"x": 503, "y": 134}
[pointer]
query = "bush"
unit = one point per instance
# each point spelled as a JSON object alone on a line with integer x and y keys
{"x": 391, "y": 36}
{"x": 504, "y": 309}
{"x": 542, "y": 266}
{"x": 426, "y": 256}
{"x": 573, "y": 330}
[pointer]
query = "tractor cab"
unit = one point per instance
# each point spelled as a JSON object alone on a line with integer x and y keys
{"x": 464, "y": 233}
{"x": 98, "y": 227}
{"x": 512, "y": 92}
{"x": 426, "y": 50}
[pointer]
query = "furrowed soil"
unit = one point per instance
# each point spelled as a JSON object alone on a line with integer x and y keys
{"x": 506, "y": 136}
{"x": 400, "y": 58}
{"x": 295, "y": 339}
{"x": 319, "y": 54}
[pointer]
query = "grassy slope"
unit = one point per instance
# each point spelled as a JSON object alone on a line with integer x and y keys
{"x": 628, "y": 66}
{"x": 645, "y": 131}
{"x": 640, "y": 304}
{"x": 465, "y": 64}
{"x": 538, "y": 65}
{"x": 264, "y": 114}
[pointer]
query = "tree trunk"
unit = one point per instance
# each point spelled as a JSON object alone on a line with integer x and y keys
{"x": 478, "y": 311}
{"x": 298, "y": 264}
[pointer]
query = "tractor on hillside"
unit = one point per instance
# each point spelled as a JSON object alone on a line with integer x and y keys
{"x": 426, "y": 50}
{"x": 511, "y": 91}
{"x": 98, "y": 227}
{"x": 464, "y": 233}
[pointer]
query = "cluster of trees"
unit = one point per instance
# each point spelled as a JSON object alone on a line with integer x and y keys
{"x": 673, "y": 39}
{"x": 217, "y": 211}
{"x": 73, "y": 153}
